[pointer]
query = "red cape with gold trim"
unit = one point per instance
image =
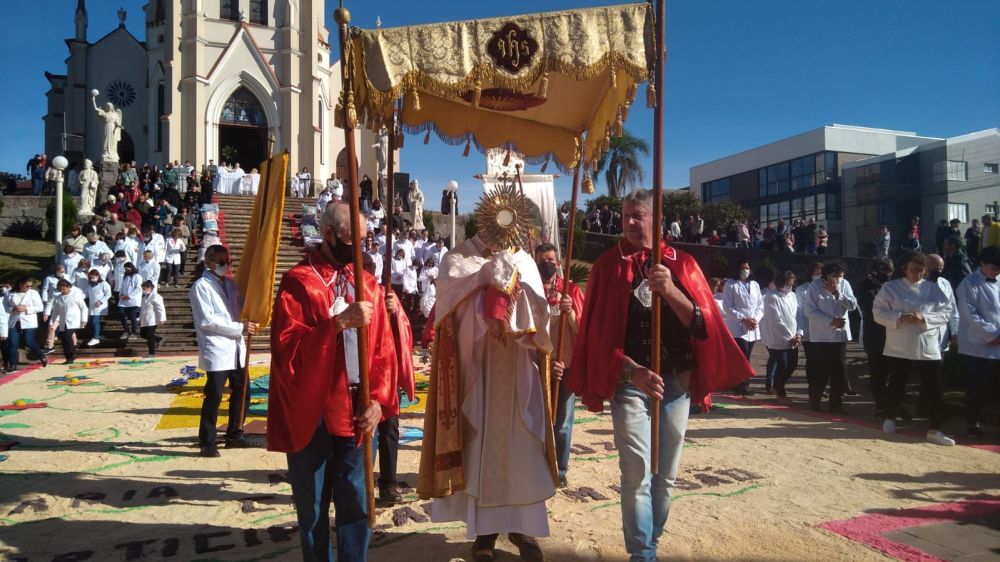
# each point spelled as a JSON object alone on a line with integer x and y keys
{"x": 600, "y": 344}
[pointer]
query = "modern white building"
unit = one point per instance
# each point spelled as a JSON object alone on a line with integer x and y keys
{"x": 798, "y": 177}
{"x": 213, "y": 79}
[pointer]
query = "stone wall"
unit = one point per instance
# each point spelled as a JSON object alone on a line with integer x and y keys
{"x": 22, "y": 211}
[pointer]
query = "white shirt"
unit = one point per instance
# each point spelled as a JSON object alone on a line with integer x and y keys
{"x": 131, "y": 287}
{"x": 69, "y": 311}
{"x": 103, "y": 269}
{"x": 675, "y": 230}
{"x": 420, "y": 250}
{"x": 149, "y": 271}
{"x": 979, "y": 316}
{"x": 152, "y": 312}
{"x": 742, "y": 299}
{"x": 174, "y": 250}
{"x": 800, "y": 317}
{"x": 437, "y": 254}
{"x": 131, "y": 248}
{"x": 717, "y": 297}
{"x": 377, "y": 260}
{"x": 324, "y": 199}
{"x": 779, "y": 324}
{"x": 428, "y": 299}
{"x": 49, "y": 288}
{"x": 117, "y": 274}
{"x": 822, "y": 308}
{"x": 398, "y": 267}
{"x": 427, "y": 275}
{"x": 94, "y": 251}
{"x": 98, "y": 296}
{"x": 380, "y": 240}
{"x": 216, "y": 305}
{"x": 407, "y": 248}
{"x": 79, "y": 279}
{"x": 4, "y": 321}
{"x": 72, "y": 261}
{"x": 410, "y": 280}
{"x": 921, "y": 341}
{"x": 29, "y": 318}
{"x": 158, "y": 245}
{"x": 949, "y": 330}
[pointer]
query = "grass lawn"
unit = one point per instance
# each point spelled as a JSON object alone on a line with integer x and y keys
{"x": 25, "y": 257}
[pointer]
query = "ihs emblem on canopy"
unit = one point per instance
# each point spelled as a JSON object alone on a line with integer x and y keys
{"x": 503, "y": 216}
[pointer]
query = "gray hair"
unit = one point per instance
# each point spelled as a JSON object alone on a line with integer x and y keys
{"x": 639, "y": 198}
{"x": 336, "y": 215}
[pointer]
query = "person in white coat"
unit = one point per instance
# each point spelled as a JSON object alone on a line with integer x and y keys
{"x": 913, "y": 311}
{"x": 69, "y": 314}
{"x": 129, "y": 300}
{"x": 149, "y": 268}
{"x": 828, "y": 301}
{"x": 4, "y": 330}
{"x": 215, "y": 304}
{"x": 130, "y": 245}
{"x": 302, "y": 183}
{"x": 979, "y": 334}
{"x": 49, "y": 291}
{"x": 98, "y": 296}
{"x": 175, "y": 249}
{"x": 154, "y": 241}
{"x": 79, "y": 277}
{"x": 23, "y": 305}
{"x": 94, "y": 247}
{"x": 152, "y": 313}
{"x": 802, "y": 322}
{"x": 780, "y": 333}
{"x": 744, "y": 307}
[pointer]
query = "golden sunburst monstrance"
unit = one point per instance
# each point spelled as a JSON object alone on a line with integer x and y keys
{"x": 503, "y": 217}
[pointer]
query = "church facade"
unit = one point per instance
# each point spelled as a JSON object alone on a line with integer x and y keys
{"x": 213, "y": 80}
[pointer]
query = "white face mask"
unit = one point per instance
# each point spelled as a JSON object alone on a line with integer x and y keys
{"x": 744, "y": 273}
{"x": 787, "y": 289}
{"x": 221, "y": 270}
{"x": 60, "y": 275}
{"x": 815, "y": 277}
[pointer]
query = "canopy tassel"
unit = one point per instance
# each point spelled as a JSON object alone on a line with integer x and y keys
{"x": 477, "y": 94}
{"x": 545, "y": 165}
{"x": 614, "y": 78}
{"x": 587, "y": 186}
{"x": 606, "y": 143}
{"x": 352, "y": 112}
{"x": 427, "y": 137}
{"x": 619, "y": 124}
{"x": 543, "y": 89}
{"x": 651, "y": 96}
{"x": 400, "y": 139}
{"x": 468, "y": 147}
{"x": 416, "y": 100}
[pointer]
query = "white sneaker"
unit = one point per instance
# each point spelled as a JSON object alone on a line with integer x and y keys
{"x": 936, "y": 437}
{"x": 889, "y": 426}
{"x": 93, "y": 342}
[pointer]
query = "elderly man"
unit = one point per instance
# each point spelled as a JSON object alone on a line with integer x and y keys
{"x": 979, "y": 334}
{"x": 215, "y": 305}
{"x": 314, "y": 411}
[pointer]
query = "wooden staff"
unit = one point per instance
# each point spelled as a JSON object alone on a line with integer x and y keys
{"x": 390, "y": 193}
{"x": 343, "y": 17}
{"x": 246, "y": 362}
{"x": 567, "y": 263}
{"x": 657, "y": 81}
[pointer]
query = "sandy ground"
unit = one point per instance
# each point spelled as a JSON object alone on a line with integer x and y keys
{"x": 108, "y": 470}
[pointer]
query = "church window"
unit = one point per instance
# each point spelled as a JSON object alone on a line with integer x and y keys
{"x": 258, "y": 12}
{"x": 242, "y": 108}
{"x": 121, "y": 93}
{"x": 229, "y": 10}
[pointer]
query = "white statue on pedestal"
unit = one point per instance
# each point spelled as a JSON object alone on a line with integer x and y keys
{"x": 112, "y": 120}
{"x": 382, "y": 158}
{"x": 417, "y": 205}
{"x": 88, "y": 187}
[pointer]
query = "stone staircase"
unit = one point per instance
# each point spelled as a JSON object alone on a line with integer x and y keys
{"x": 179, "y": 328}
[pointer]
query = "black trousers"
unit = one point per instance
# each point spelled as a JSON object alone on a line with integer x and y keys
{"x": 149, "y": 332}
{"x": 828, "y": 361}
{"x": 930, "y": 385}
{"x": 68, "y": 344}
{"x": 388, "y": 451}
{"x": 214, "y": 384}
{"x": 878, "y": 368}
{"x": 747, "y": 348}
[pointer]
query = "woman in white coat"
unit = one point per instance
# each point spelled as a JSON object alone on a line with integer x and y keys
{"x": 98, "y": 297}
{"x": 303, "y": 180}
{"x": 69, "y": 313}
{"x": 23, "y": 305}
{"x": 780, "y": 332}
{"x": 152, "y": 313}
{"x": 913, "y": 310}
{"x": 744, "y": 307}
{"x": 129, "y": 300}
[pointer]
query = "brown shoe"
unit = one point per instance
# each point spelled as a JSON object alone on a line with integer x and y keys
{"x": 527, "y": 547}
{"x": 390, "y": 494}
{"x": 482, "y": 548}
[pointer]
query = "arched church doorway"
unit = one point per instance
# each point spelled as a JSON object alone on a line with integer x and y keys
{"x": 126, "y": 148}
{"x": 243, "y": 131}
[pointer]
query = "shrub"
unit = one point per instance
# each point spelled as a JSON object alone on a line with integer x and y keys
{"x": 69, "y": 213}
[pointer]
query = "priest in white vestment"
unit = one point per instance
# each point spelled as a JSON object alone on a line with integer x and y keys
{"x": 488, "y": 453}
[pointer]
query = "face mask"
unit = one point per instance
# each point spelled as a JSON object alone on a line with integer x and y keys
{"x": 147, "y": 293}
{"x": 786, "y": 289}
{"x": 60, "y": 275}
{"x": 744, "y": 273}
{"x": 815, "y": 277}
{"x": 934, "y": 276}
{"x": 547, "y": 269}
{"x": 129, "y": 272}
{"x": 94, "y": 281}
{"x": 120, "y": 260}
{"x": 342, "y": 253}
{"x": 221, "y": 270}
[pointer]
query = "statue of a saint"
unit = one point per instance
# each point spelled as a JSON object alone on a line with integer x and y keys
{"x": 382, "y": 159}
{"x": 416, "y": 205}
{"x": 112, "y": 119}
{"x": 89, "y": 181}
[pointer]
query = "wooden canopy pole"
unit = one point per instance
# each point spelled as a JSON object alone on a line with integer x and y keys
{"x": 343, "y": 18}
{"x": 390, "y": 193}
{"x": 567, "y": 263}
{"x": 657, "y": 82}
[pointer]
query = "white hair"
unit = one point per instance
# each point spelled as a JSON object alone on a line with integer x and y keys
{"x": 640, "y": 198}
{"x": 336, "y": 215}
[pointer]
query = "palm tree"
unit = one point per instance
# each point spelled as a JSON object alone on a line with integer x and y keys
{"x": 622, "y": 161}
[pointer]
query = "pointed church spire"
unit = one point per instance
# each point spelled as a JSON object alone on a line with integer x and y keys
{"x": 81, "y": 21}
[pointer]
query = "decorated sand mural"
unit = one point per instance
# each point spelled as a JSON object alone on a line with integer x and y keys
{"x": 100, "y": 463}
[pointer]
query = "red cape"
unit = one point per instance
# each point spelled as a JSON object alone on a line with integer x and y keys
{"x": 404, "y": 365}
{"x": 600, "y": 343}
{"x": 308, "y": 374}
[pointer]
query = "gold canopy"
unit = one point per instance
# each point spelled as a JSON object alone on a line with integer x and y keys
{"x": 534, "y": 84}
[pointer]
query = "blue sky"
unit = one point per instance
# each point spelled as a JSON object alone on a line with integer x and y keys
{"x": 739, "y": 73}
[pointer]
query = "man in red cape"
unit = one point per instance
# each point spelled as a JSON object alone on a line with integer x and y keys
{"x": 612, "y": 359}
{"x": 313, "y": 404}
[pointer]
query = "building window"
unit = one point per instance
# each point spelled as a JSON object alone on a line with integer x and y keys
{"x": 991, "y": 168}
{"x": 958, "y": 211}
{"x": 832, "y": 206}
{"x": 229, "y": 10}
{"x": 992, "y": 209}
{"x": 258, "y": 12}
{"x": 717, "y": 190}
{"x": 242, "y": 108}
{"x": 950, "y": 170}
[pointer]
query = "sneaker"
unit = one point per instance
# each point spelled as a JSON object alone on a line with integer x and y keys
{"x": 889, "y": 426}
{"x": 159, "y": 341}
{"x": 975, "y": 431}
{"x": 936, "y": 437}
{"x": 563, "y": 482}
{"x": 390, "y": 494}
{"x": 124, "y": 337}
{"x": 238, "y": 443}
{"x": 48, "y": 350}
{"x": 45, "y": 361}
{"x": 93, "y": 342}
{"x": 210, "y": 451}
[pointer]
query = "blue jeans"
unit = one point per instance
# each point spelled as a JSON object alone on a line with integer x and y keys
{"x": 563, "y": 426}
{"x": 330, "y": 467}
{"x": 646, "y": 497}
{"x": 95, "y": 325}
{"x": 14, "y": 343}
{"x": 781, "y": 363}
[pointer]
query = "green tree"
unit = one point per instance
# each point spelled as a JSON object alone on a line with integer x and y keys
{"x": 623, "y": 170}
{"x": 429, "y": 224}
{"x": 718, "y": 215}
{"x": 69, "y": 214}
{"x": 613, "y": 203}
{"x": 681, "y": 204}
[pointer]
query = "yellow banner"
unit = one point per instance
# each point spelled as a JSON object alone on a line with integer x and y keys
{"x": 259, "y": 261}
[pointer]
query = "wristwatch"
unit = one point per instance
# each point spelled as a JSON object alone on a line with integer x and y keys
{"x": 627, "y": 370}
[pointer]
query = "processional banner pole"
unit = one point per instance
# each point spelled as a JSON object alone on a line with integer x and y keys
{"x": 656, "y": 81}
{"x": 567, "y": 264}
